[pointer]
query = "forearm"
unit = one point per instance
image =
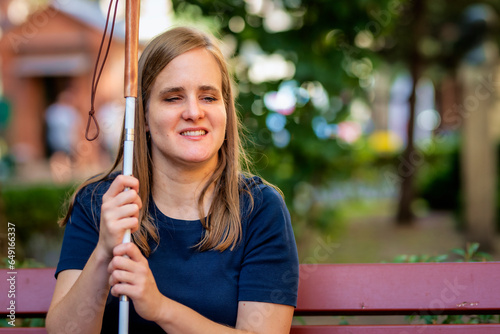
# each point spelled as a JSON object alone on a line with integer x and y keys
{"x": 253, "y": 317}
{"x": 179, "y": 319}
{"x": 82, "y": 308}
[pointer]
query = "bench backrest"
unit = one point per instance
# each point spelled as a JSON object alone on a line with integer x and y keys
{"x": 335, "y": 289}
{"x": 32, "y": 289}
{"x": 399, "y": 289}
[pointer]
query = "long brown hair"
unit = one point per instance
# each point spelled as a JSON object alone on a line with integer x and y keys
{"x": 223, "y": 227}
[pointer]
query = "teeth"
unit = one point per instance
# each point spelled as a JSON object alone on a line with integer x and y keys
{"x": 194, "y": 133}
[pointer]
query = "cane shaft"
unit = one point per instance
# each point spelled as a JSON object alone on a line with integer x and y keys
{"x": 131, "y": 73}
{"x": 131, "y": 47}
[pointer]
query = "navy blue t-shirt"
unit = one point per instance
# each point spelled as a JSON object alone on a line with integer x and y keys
{"x": 262, "y": 268}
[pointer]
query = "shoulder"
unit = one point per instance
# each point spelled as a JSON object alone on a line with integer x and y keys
{"x": 258, "y": 189}
{"x": 258, "y": 197}
{"x": 91, "y": 193}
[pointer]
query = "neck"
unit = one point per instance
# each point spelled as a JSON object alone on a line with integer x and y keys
{"x": 176, "y": 191}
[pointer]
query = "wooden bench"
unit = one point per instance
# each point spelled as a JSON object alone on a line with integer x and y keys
{"x": 339, "y": 289}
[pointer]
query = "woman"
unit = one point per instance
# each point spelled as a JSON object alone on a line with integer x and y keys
{"x": 213, "y": 250}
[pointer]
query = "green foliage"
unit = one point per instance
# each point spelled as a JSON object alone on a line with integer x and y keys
{"x": 34, "y": 210}
{"x": 470, "y": 253}
{"x": 420, "y": 258}
{"x": 440, "y": 183}
{"x": 37, "y": 206}
{"x": 26, "y": 263}
{"x": 440, "y": 179}
{"x": 28, "y": 322}
{"x": 456, "y": 319}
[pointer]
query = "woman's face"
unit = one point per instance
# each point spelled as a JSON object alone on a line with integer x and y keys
{"x": 186, "y": 115}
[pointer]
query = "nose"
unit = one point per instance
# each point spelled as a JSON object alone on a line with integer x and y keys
{"x": 193, "y": 111}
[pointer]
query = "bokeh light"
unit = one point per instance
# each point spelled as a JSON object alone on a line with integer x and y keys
{"x": 385, "y": 142}
{"x": 18, "y": 11}
{"x": 236, "y": 24}
{"x": 319, "y": 96}
{"x": 429, "y": 120}
{"x": 282, "y": 101}
{"x": 277, "y": 20}
{"x": 275, "y": 122}
{"x": 258, "y": 107}
{"x": 281, "y": 139}
{"x": 323, "y": 129}
{"x": 272, "y": 67}
{"x": 349, "y": 131}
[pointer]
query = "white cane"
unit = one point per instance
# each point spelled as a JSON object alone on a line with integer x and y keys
{"x": 131, "y": 63}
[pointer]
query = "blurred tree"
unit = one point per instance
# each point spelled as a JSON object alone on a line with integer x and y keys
{"x": 440, "y": 39}
{"x": 414, "y": 60}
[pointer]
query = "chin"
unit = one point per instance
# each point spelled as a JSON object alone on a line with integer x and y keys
{"x": 200, "y": 159}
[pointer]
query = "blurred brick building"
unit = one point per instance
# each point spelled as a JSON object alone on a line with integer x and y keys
{"x": 54, "y": 51}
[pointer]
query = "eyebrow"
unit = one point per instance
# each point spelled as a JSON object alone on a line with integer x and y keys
{"x": 203, "y": 88}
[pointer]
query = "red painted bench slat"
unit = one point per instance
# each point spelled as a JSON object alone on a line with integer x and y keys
{"x": 23, "y": 330}
{"x": 395, "y": 288}
{"x": 398, "y": 329}
{"x": 338, "y": 289}
{"x": 33, "y": 289}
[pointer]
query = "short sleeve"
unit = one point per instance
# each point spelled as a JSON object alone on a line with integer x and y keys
{"x": 269, "y": 271}
{"x": 81, "y": 232}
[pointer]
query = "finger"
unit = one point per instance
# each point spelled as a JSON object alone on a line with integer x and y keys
{"x": 133, "y": 282}
{"x": 126, "y": 273}
{"x": 131, "y": 250}
{"x": 120, "y": 277}
{"x": 116, "y": 229}
{"x": 120, "y": 183}
{"x": 121, "y": 289}
{"x": 127, "y": 210}
{"x": 117, "y": 219}
{"x": 118, "y": 263}
{"x": 126, "y": 197}
{"x": 121, "y": 264}
{"x": 128, "y": 223}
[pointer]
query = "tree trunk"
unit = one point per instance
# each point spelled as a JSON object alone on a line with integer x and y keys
{"x": 411, "y": 159}
{"x": 479, "y": 165}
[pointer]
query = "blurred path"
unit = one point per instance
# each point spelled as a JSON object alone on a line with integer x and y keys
{"x": 377, "y": 239}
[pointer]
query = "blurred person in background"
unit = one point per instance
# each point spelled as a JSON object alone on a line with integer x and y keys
{"x": 62, "y": 121}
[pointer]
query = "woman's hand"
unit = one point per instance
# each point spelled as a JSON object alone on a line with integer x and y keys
{"x": 119, "y": 212}
{"x": 133, "y": 278}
